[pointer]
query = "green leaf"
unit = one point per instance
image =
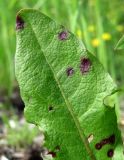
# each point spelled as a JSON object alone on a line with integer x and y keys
{"x": 63, "y": 87}
{"x": 120, "y": 44}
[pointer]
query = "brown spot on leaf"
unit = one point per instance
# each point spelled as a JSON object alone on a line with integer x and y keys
{"x": 85, "y": 65}
{"x": 104, "y": 141}
{"x": 110, "y": 153}
{"x": 53, "y": 154}
{"x": 98, "y": 146}
{"x": 63, "y": 35}
{"x": 19, "y": 23}
{"x": 112, "y": 139}
{"x": 70, "y": 71}
{"x": 50, "y": 108}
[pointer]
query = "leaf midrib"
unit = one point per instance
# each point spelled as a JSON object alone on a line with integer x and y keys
{"x": 82, "y": 135}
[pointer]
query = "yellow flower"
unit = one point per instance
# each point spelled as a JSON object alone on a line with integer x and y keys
{"x": 79, "y": 33}
{"x": 120, "y": 28}
{"x": 91, "y": 28}
{"x": 106, "y": 36}
{"x": 95, "y": 42}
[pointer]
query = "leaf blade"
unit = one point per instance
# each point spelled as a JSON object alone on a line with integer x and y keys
{"x": 46, "y": 42}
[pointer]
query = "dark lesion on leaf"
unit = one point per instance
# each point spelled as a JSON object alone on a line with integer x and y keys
{"x": 69, "y": 71}
{"x": 109, "y": 140}
{"x": 104, "y": 141}
{"x": 85, "y": 65}
{"x": 110, "y": 153}
{"x": 50, "y": 108}
{"x": 63, "y": 35}
{"x": 19, "y": 23}
{"x": 98, "y": 146}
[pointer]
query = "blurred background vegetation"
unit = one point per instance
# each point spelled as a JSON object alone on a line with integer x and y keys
{"x": 99, "y": 23}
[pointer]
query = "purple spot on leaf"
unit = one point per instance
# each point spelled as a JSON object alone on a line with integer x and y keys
{"x": 112, "y": 139}
{"x": 19, "y": 23}
{"x": 110, "y": 153}
{"x": 98, "y": 146}
{"x": 70, "y": 71}
{"x": 63, "y": 35}
{"x": 104, "y": 141}
{"x": 85, "y": 65}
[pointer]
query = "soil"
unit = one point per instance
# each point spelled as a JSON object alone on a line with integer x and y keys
{"x": 7, "y": 152}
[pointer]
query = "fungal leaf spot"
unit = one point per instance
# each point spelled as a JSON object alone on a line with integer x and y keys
{"x": 110, "y": 153}
{"x": 63, "y": 35}
{"x": 112, "y": 139}
{"x": 70, "y": 71}
{"x": 98, "y": 146}
{"x": 85, "y": 65}
{"x": 19, "y": 23}
{"x": 109, "y": 140}
{"x": 104, "y": 141}
{"x": 50, "y": 108}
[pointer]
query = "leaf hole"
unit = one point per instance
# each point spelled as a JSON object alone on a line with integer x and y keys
{"x": 90, "y": 138}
